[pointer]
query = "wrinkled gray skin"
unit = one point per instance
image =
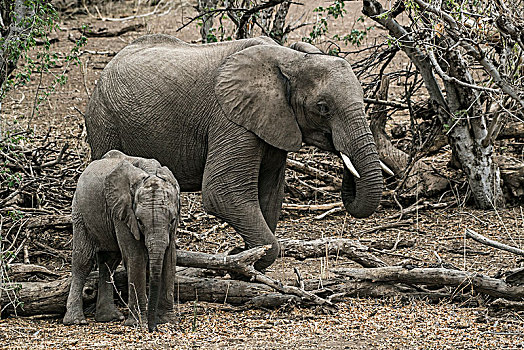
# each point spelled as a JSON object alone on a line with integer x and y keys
{"x": 223, "y": 116}
{"x": 125, "y": 207}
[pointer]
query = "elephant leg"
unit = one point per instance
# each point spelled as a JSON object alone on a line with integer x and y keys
{"x": 82, "y": 263}
{"x": 230, "y": 189}
{"x": 271, "y": 180}
{"x": 106, "y": 309}
{"x": 137, "y": 301}
{"x": 166, "y": 313}
{"x": 135, "y": 260}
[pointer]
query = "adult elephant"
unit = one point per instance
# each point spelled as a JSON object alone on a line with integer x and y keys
{"x": 223, "y": 116}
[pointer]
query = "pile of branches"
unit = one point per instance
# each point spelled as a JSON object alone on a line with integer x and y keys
{"x": 38, "y": 176}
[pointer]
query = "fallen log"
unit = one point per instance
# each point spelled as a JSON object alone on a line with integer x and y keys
{"x": 30, "y": 298}
{"x": 512, "y": 130}
{"x": 37, "y": 298}
{"x": 437, "y": 277}
{"x": 45, "y": 221}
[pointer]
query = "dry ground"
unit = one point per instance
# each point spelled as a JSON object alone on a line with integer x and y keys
{"x": 358, "y": 324}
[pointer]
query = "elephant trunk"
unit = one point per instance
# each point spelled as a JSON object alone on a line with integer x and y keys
{"x": 360, "y": 195}
{"x": 156, "y": 262}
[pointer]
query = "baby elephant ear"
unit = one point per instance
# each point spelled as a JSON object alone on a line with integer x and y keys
{"x": 119, "y": 187}
{"x": 253, "y": 91}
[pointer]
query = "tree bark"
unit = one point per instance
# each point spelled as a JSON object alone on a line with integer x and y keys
{"x": 466, "y": 135}
{"x": 278, "y": 32}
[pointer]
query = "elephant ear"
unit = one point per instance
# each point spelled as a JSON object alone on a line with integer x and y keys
{"x": 119, "y": 187}
{"x": 253, "y": 91}
{"x": 305, "y": 47}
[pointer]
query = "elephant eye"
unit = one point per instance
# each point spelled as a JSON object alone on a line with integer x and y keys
{"x": 140, "y": 223}
{"x": 323, "y": 108}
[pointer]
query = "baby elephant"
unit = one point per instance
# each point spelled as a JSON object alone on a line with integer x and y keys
{"x": 125, "y": 207}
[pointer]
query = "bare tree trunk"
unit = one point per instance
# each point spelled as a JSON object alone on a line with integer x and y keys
{"x": 19, "y": 23}
{"x": 207, "y": 20}
{"x": 466, "y": 136}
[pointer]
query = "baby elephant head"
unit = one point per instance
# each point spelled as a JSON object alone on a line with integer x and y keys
{"x": 149, "y": 204}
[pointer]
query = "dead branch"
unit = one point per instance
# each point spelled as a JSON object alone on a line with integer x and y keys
{"x": 323, "y": 247}
{"x": 437, "y": 277}
{"x": 243, "y": 263}
{"x": 52, "y": 251}
{"x": 512, "y": 130}
{"x": 20, "y": 272}
{"x": 329, "y": 212}
{"x": 484, "y": 240}
{"x": 394, "y": 104}
{"x": 213, "y": 229}
{"x": 416, "y": 207}
{"x": 46, "y": 221}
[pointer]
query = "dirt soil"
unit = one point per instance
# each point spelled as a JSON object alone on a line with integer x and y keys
{"x": 393, "y": 323}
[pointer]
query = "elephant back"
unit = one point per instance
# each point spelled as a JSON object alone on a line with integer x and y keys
{"x": 158, "y": 39}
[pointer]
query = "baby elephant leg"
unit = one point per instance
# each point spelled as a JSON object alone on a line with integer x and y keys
{"x": 106, "y": 309}
{"x": 82, "y": 263}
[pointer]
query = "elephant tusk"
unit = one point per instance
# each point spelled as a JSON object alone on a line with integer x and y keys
{"x": 386, "y": 169}
{"x": 349, "y": 165}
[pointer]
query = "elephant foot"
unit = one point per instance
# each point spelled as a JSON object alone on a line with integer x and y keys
{"x": 74, "y": 318}
{"x": 108, "y": 315}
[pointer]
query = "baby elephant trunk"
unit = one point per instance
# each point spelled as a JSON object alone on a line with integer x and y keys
{"x": 156, "y": 261}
